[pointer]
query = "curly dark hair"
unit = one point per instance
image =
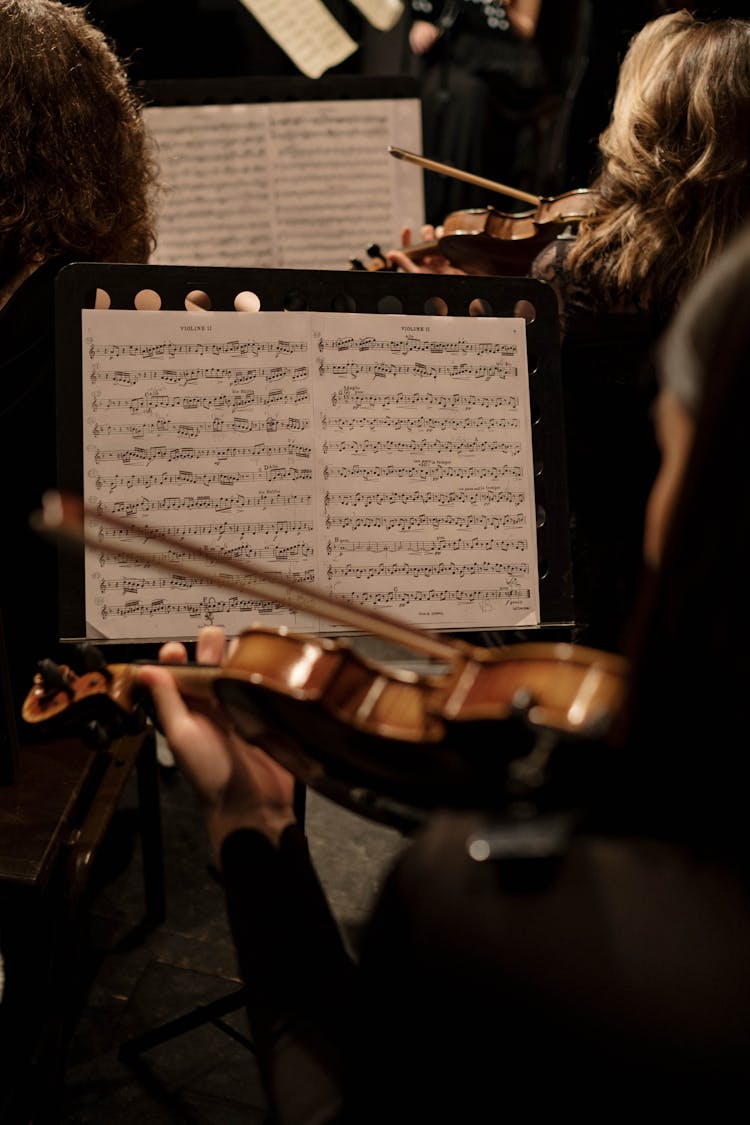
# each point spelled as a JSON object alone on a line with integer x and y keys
{"x": 76, "y": 172}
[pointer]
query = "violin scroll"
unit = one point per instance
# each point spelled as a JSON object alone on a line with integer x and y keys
{"x": 102, "y": 700}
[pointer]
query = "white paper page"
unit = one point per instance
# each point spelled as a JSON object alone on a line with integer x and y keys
{"x": 298, "y": 185}
{"x": 382, "y": 14}
{"x": 426, "y": 506}
{"x": 306, "y": 30}
{"x": 386, "y": 459}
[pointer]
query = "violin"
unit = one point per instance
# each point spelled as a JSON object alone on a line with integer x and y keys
{"x": 486, "y": 240}
{"x": 369, "y": 735}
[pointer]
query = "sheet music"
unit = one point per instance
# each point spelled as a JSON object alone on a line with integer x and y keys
{"x": 297, "y": 185}
{"x": 386, "y": 459}
{"x": 382, "y": 14}
{"x": 306, "y": 30}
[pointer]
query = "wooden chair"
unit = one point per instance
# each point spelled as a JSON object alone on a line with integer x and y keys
{"x": 54, "y": 819}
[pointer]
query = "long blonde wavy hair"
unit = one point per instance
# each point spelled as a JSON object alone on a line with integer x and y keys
{"x": 673, "y": 185}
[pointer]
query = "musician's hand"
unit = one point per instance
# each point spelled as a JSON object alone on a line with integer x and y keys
{"x": 422, "y": 36}
{"x": 236, "y": 782}
{"x": 428, "y": 263}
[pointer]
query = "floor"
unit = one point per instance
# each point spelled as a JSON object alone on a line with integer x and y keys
{"x": 135, "y": 982}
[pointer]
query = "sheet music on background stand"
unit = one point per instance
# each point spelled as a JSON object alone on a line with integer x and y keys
{"x": 283, "y": 172}
{"x": 310, "y": 35}
{"x": 154, "y": 443}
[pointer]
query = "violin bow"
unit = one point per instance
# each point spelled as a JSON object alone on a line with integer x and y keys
{"x": 469, "y": 177}
{"x": 65, "y": 516}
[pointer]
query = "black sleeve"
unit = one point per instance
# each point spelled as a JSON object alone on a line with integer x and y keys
{"x": 296, "y": 970}
{"x": 519, "y": 988}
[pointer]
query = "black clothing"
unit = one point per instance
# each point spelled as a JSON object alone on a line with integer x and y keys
{"x": 612, "y": 26}
{"x": 622, "y": 975}
{"x": 28, "y": 445}
{"x": 480, "y": 85}
{"x": 483, "y": 17}
{"x": 609, "y": 384}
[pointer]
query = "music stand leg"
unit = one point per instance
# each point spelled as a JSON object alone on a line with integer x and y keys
{"x": 198, "y": 1017}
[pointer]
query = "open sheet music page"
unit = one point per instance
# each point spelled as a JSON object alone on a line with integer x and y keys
{"x": 382, "y": 14}
{"x": 296, "y": 185}
{"x": 306, "y": 30}
{"x": 385, "y": 459}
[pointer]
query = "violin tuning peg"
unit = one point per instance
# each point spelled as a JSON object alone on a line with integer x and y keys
{"x": 357, "y": 264}
{"x": 54, "y": 677}
{"x": 374, "y": 251}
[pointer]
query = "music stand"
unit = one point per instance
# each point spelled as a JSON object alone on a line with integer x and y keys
{"x": 332, "y": 291}
{"x": 324, "y": 291}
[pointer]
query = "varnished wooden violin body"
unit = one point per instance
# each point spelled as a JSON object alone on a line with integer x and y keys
{"x": 448, "y": 736}
{"x": 489, "y": 241}
{"x": 442, "y": 738}
{"x": 486, "y": 241}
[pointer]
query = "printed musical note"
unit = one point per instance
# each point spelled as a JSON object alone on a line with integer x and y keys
{"x": 437, "y": 545}
{"x": 414, "y": 345}
{"x": 420, "y": 424}
{"x": 417, "y": 370}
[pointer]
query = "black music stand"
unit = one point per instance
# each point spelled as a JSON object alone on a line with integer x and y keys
{"x": 332, "y": 291}
{"x": 199, "y": 1016}
{"x": 323, "y": 291}
{"x": 226, "y": 90}
{"x": 203, "y": 1013}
